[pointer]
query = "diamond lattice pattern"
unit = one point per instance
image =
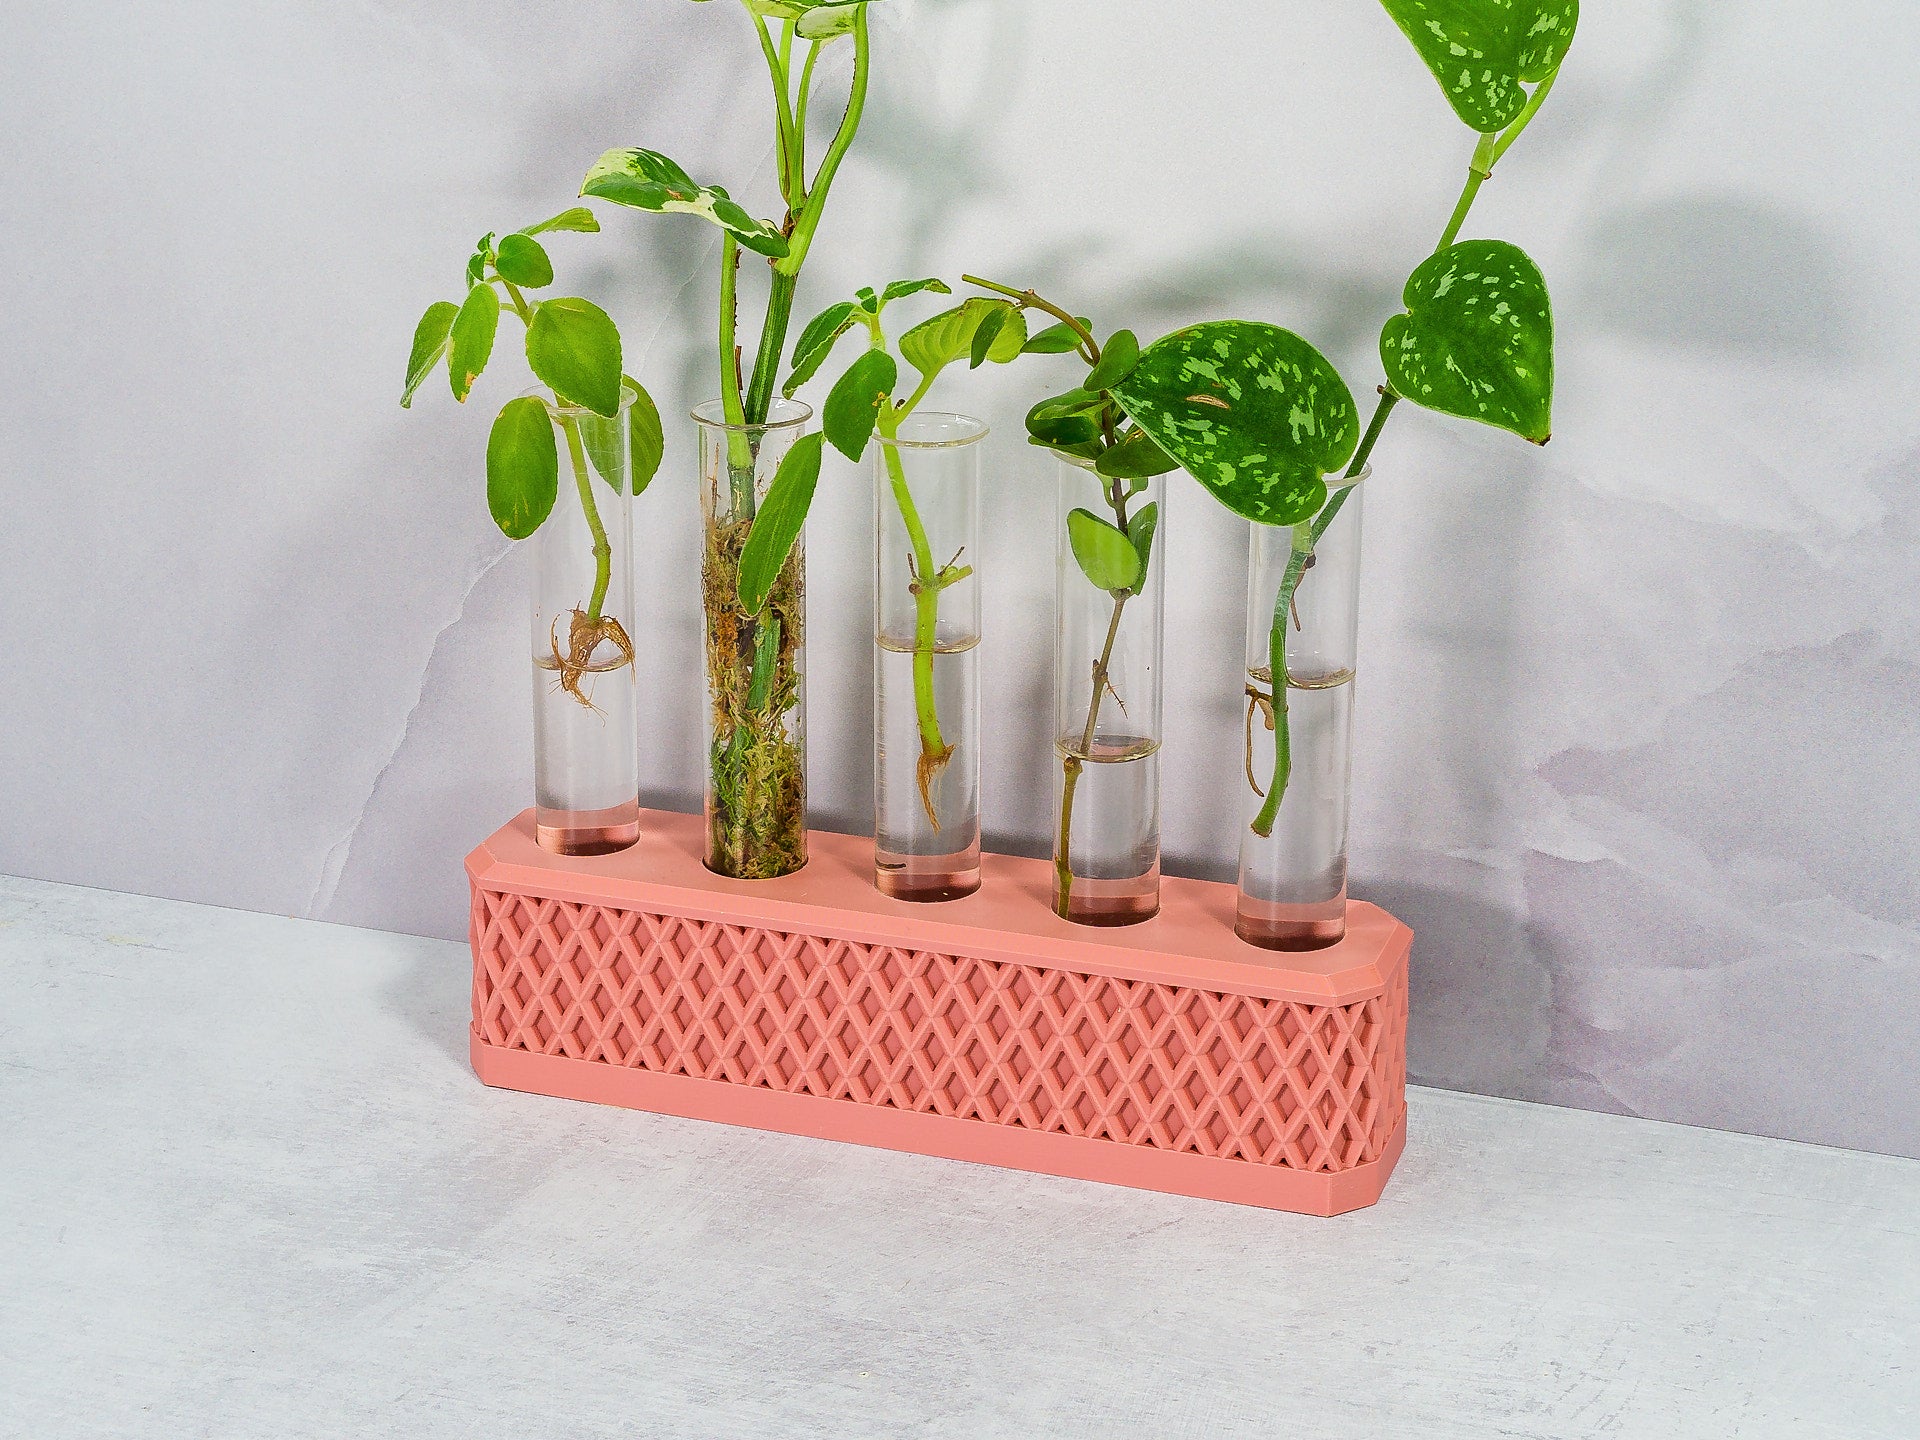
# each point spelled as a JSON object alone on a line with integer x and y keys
{"x": 1316, "y": 1088}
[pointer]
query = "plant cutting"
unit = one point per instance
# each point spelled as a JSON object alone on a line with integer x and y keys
{"x": 1475, "y": 341}
{"x": 585, "y": 782}
{"x": 927, "y": 590}
{"x": 758, "y": 470}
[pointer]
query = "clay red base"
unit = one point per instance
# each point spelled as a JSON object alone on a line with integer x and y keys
{"x": 1168, "y": 1055}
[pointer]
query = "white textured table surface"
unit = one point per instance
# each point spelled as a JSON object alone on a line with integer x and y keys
{"x": 248, "y": 1187}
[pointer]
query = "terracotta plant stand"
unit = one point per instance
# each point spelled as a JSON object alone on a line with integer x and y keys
{"x": 1168, "y": 1055}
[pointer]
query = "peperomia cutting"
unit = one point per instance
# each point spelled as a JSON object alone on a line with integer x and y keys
{"x": 751, "y": 581}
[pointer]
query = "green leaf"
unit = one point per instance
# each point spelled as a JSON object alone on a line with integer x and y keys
{"x": 523, "y": 467}
{"x": 647, "y": 441}
{"x": 1141, "y": 530}
{"x": 1253, "y": 412}
{"x": 869, "y": 299}
{"x": 470, "y": 341}
{"x": 1117, "y": 359}
{"x": 816, "y": 342}
{"x": 900, "y": 289}
{"x": 984, "y": 335}
{"x": 1482, "y": 50}
{"x": 1477, "y": 339}
{"x": 936, "y": 343}
{"x": 1105, "y": 555}
{"x": 600, "y": 437}
{"x": 853, "y": 406}
{"x": 578, "y": 218}
{"x": 574, "y": 346}
{"x": 1054, "y": 340}
{"x": 429, "y": 344}
{"x": 778, "y": 525}
{"x": 647, "y": 180}
{"x": 482, "y": 256}
{"x": 523, "y": 260}
{"x": 1063, "y": 420}
{"x": 1136, "y": 457}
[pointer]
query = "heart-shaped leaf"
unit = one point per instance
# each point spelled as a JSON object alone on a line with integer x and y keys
{"x": 936, "y": 343}
{"x": 816, "y": 342}
{"x": 523, "y": 260}
{"x": 523, "y": 467}
{"x": 429, "y": 344}
{"x": 1477, "y": 338}
{"x": 470, "y": 341}
{"x": 648, "y": 180}
{"x": 853, "y": 405}
{"x": 574, "y": 346}
{"x": 1117, "y": 357}
{"x": 1105, "y": 555}
{"x": 778, "y": 525}
{"x": 578, "y": 218}
{"x": 1482, "y": 50}
{"x": 1252, "y": 412}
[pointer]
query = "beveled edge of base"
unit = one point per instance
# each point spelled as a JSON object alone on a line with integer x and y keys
{"x": 1241, "y": 1182}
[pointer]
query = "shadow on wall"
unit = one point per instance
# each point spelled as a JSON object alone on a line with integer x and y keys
{"x": 1718, "y": 272}
{"x": 1482, "y": 986}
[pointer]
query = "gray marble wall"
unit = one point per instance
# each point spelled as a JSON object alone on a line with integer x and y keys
{"x": 1639, "y": 747}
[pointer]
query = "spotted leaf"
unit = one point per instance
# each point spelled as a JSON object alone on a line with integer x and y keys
{"x": 648, "y": 180}
{"x": 1482, "y": 50}
{"x": 1251, "y": 411}
{"x": 1477, "y": 339}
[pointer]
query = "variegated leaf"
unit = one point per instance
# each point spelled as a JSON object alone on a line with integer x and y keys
{"x": 1477, "y": 338}
{"x": 1251, "y": 411}
{"x": 648, "y": 180}
{"x": 1482, "y": 50}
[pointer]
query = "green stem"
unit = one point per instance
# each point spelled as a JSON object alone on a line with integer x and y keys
{"x": 808, "y": 220}
{"x": 773, "y": 339}
{"x": 801, "y": 228}
{"x": 1479, "y": 171}
{"x": 926, "y": 596}
{"x": 1374, "y": 426}
{"x": 1277, "y": 677}
{"x": 800, "y": 105}
{"x": 1522, "y": 120}
{"x": 1090, "y": 347}
{"x": 1072, "y": 765}
{"x": 739, "y": 452}
{"x": 602, "y": 550}
{"x": 520, "y": 306}
{"x": 777, "y": 69}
